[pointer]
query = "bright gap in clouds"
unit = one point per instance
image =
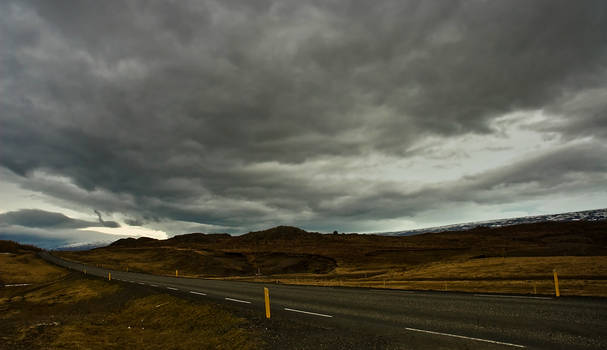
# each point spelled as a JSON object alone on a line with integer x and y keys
{"x": 134, "y": 231}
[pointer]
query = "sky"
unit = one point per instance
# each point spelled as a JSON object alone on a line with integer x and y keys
{"x": 157, "y": 118}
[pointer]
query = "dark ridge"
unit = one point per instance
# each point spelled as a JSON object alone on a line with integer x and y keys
{"x": 279, "y": 233}
{"x": 14, "y": 247}
{"x": 132, "y": 242}
{"x": 198, "y": 237}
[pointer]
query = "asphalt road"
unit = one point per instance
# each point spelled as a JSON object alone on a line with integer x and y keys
{"x": 417, "y": 320}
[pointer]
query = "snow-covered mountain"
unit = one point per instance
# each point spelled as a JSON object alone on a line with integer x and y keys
{"x": 83, "y": 245}
{"x": 586, "y": 215}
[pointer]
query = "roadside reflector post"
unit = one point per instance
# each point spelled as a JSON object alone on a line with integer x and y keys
{"x": 266, "y": 295}
{"x": 109, "y": 276}
{"x": 556, "y": 283}
{"x": 176, "y": 273}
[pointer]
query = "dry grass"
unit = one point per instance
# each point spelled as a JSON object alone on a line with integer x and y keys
{"x": 154, "y": 322}
{"x": 63, "y": 292}
{"x": 27, "y": 268}
{"x": 578, "y": 275}
{"x": 510, "y": 268}
{"x": 76, "y": 312}
{"x": 160, "y": 261}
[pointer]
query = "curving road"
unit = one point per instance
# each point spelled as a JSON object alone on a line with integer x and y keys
{"x": 421, "y": 320}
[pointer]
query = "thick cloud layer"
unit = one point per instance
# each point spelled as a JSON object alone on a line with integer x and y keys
{"x": 41, "y": 219}
{"x": 239, "y": 115}
{"x": 48, "y": 229}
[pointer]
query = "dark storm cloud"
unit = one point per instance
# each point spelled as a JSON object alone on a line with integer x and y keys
{"x": 561, "y": 171}
{"x": 41, "y": 219}
{"x": 133, "y": 222}
{"x": 49, "y": 229}
{"x": 50, "y": 238}
{"x": 202, "y": 111}
{"x": 104, "y": 222}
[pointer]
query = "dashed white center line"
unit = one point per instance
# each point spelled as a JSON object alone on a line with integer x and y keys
{"x": 171, "y": 288}
{"x": 17, "y": 285}
{"x": 238, "y": 300}
{"x": 140, "y": 283}
{"x": 197, "y": 293}
{"x": 464, "y": 337}
{"x": 510, "y": 296}
{"x": 154, "y": 285}
{"x": 307, "y": 312}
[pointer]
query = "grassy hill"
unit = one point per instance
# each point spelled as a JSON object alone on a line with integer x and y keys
{"x": 517, "y": 259}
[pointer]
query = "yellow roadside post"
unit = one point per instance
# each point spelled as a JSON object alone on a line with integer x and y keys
{"x": 176, "y": 273}
{"x": 109, "y": 276}
{"x": 556, "y": 283}
{"x": 266, "y": 295}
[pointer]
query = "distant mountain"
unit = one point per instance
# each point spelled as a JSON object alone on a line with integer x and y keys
{"x": 82, "y": 246}
{"x": 286, "y": 250}
{"x": 132, "y": 242}
{"x": 279, "y": 233}
{"x": 586, "y": 215}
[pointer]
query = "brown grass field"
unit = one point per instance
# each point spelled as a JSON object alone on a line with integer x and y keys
{"x": 515, "y": 259}
{"x": 66, "y": 310}
{"x": 27, "y": 268}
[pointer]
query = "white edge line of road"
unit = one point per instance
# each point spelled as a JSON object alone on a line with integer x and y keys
{"x": 307, "y": 312}
{"x": 510, "y": 296}
{"x": 238, "y": 300}
{"x": 171, "y": 288}
{"x": 464, "y": 337}
{"x": 197, "y": 293}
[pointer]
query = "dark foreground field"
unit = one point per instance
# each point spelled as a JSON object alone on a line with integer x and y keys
{"x": 53, "y": 308}
{"x": 43, "y": 306}
{"x": 516, "y": 259}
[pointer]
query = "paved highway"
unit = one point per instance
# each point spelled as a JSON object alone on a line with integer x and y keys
{"x": 425, "y": 319}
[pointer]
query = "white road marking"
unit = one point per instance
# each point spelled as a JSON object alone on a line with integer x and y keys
{"x": 132, "y": 281}
{"x": 307, "y": 312}
{"x": 17, "y": 285}
{"x": 198, "y": 293}
{"x": 140, "y": 283}
{"x": 154, "y": 285}
{"x": 464, "y": 337}
{"x": 171, "y": 288}
{"x": 509, "y": 296}
{"x": 238, "y": 300}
